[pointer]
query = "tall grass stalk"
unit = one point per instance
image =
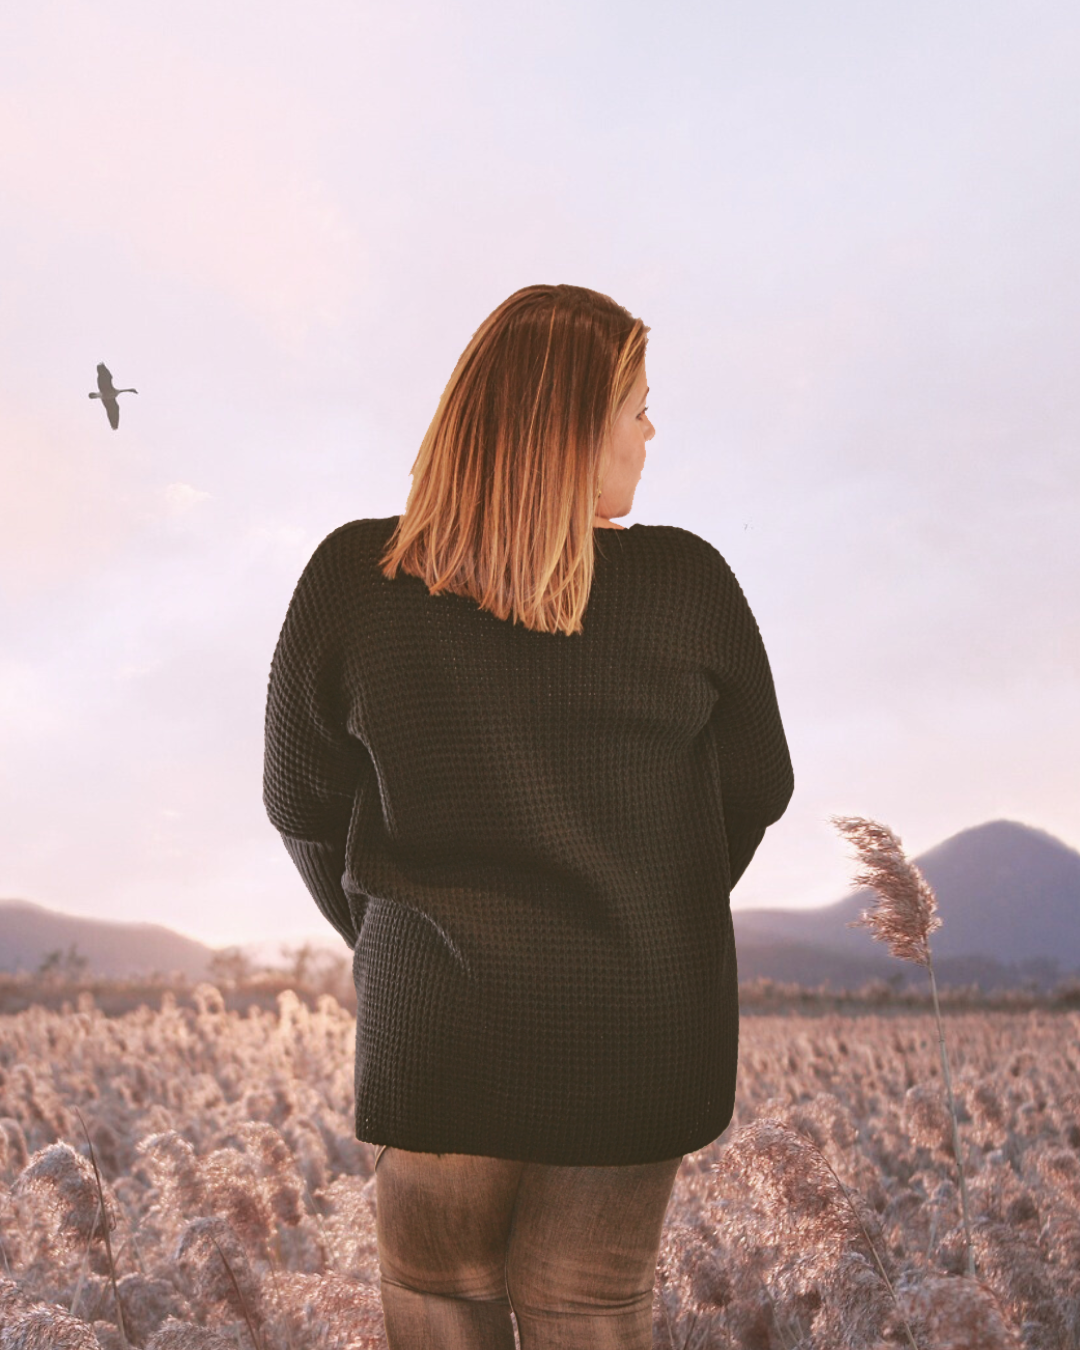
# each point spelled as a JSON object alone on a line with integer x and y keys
{"x": 84, "y": 1268}
{"x": 105, "y": 1230}
{"x": 255, "y": 1338}
{"x": 277, "y": 1259}
{"x": 131, "y": 1234}
{"x": 328, "y": 1249}
{"x": 806, "y": 1203}
{"x": 903, "y": 916}
{"x": 869, "y": 1242}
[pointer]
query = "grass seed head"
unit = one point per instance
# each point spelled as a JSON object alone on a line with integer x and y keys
{"x": 147, "y": 1302}
{"x": 798, "y": 1197}
{"x": 14, "y": 1154}
{"x": 855, "y": 1306}
{"x": 959, "y": 1313}
{"x": 327, "y": 1312}
{"x": 282, "y": 1183}
{"x": 987, "y": 1109}
{"x": 927, "y": 1119}
{"x": 1014, "y": 1266}
{"x": 207, "y": 1252}
{"x": 171, "y": 1161}
{"x": 233, "y": 1190}
{"x": 26, "y": 1324}
{"x": 176, "y": 1335}
{"x": 904, "y": 913}
{"x": 64, "y": 1181}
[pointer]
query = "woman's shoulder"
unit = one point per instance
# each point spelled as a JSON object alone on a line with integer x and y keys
{"x": 376, "y": 530}
{"x": 338, "y": 559}
{"x": 347, "y": 543}
{"x": 355, "y": 536}
{"x": 354, "y": 532}
{"x": 678, "y": 539}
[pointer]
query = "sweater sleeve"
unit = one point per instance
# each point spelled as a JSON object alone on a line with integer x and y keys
{"x": 755, "y": 765}
{"x": 312, "y": 767}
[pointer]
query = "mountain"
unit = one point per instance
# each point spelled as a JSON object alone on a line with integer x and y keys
{"x": 28, "y": 933}
{"x": 1008, "y": 898}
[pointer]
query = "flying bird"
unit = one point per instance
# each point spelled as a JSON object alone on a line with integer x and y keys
{"x": 108, "y": 394}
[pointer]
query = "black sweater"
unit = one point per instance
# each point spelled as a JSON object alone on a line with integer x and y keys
{"x": 529, "y": 840}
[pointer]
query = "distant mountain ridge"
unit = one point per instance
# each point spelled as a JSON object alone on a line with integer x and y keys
{"x": 28, "y": 933}
{"x": 1008, "y": 897}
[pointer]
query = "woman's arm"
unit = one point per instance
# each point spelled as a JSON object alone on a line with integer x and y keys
{"x": 312, "y": 766}
{"x": 755, "y": 765}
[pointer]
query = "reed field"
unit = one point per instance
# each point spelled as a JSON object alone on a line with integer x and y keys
{"x": 240, "y": 1207}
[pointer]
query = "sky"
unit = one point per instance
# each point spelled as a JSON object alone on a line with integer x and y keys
{"x": 851, "y": 227}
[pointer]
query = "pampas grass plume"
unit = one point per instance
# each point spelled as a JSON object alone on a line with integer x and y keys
{"x": 26, "y": 1324}
{"x": 808, "y": 1209}
{"x": 904, "y": 913}
{"x": 801, "y": 1202}
{"x": 64, "y": 1181}
{"x": 214, "y": 1266}
{"x": 177, "y": 1335}
{"x": 960, "y": 1314}
{"x": 903, "y": 916}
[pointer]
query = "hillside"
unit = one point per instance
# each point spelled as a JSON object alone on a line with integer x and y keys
{"x": 28, "y": 933}
{"x": 1009, "y": 901}
{"x": 1009, "y": 898}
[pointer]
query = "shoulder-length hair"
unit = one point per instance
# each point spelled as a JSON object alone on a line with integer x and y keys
{"x": 507, "y": 478}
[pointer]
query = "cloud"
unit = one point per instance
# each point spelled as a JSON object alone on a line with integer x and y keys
{"x": 61, "y": 505}
{"x": 27, "y": 713}
{"x": 182, "y": 497}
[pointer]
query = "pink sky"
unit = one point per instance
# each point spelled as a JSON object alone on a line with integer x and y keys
{"x": 851, "y": 231}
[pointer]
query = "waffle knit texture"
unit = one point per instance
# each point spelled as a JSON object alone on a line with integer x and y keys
{"x": 529, "y": 841}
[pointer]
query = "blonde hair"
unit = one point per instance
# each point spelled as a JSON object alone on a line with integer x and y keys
{"x": 507, "y": 478}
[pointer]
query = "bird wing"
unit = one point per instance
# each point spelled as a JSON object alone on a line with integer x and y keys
{"x": 113, "y": 409}
{"x": 104, "y": 381}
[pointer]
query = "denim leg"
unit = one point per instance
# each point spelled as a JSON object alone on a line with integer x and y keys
{"x": 442, "y": 1225}
{"x": 582, "y": 1258}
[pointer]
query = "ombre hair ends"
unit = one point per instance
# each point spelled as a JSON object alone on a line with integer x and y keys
{"x": 507, "y": 478}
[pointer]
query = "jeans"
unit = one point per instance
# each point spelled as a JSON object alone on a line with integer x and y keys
{"x": 463, "y": 1240}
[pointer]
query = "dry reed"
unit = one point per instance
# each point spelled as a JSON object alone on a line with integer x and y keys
{"x": 170, "y": 1098}
{"x": 105, "y": 1226}
{"x": 807, "y": 1208}
{"x": 903, "y": 916}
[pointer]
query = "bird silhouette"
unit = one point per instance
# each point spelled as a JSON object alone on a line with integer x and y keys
{"x": 108, "y": 394}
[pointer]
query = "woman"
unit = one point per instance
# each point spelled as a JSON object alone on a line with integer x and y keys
{"x": 520, "y": 763}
